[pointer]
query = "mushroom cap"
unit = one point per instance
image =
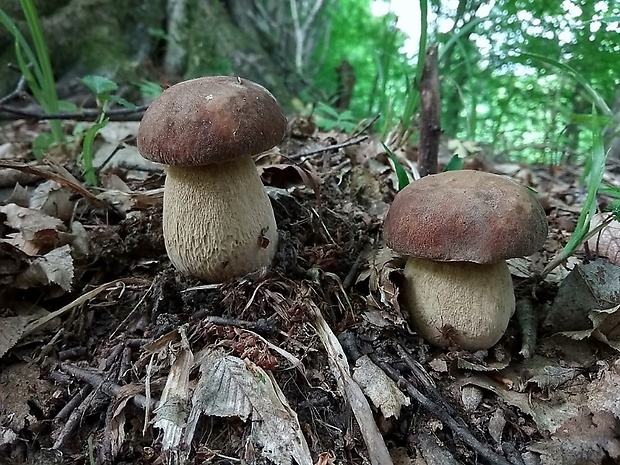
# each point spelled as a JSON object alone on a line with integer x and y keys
{"x": 210, "y": 120}
{"x": 466, "y": 215}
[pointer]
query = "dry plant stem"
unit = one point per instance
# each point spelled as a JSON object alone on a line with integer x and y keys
{"x": 57, "y": 173}
{"x": 442, "y": 414}
{"x": 430, "y": 129}
{"x": 19, "y": 91}
{"x": 76, "y": 400}
{"x": 261, "y": 326}
{"x": 527, "y": 323}
{"x": 8, "y": 113}
{"x": 218, "y": 221}
{"x": 100, "y": 383}
{"x": 347, "y": 143}
{"x": 424, "y": 379}
{"x": 74, "y": 420}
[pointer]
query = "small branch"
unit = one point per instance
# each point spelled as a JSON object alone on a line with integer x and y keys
{"x": 527, "y": 323}
{"x": 347, "y": 143}
{"x": 8, "y": 112}
{"x": 441, "y": 413}
{"x": 430, "y": 128}
{"x": 20, "y": 89}
{"x": 107, "y": 387}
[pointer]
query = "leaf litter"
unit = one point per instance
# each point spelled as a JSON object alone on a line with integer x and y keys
{"x": 98, "y": 330}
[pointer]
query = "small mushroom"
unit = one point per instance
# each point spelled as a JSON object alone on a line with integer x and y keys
{"x": 218, "y": 222}
{"x": 458, "y": 228}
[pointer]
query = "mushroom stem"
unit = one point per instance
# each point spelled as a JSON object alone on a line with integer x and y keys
{"x": 459, "y": 303}
{"x": 218, "y": 222}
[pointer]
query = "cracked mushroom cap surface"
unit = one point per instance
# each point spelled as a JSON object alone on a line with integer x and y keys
{"x": 210, "y": 120}
{"x": 469, "y": 216}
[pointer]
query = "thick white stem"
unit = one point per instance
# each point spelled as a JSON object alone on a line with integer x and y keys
{"x": 218, "y": 222}
{"x": 459, "y": 303}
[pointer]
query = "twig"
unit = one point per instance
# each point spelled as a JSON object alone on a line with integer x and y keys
{"x": 527, "y": 323}
{"x": 107, "y": 387}
{"x": 347, "y": 143}
{"x": 74, "y": 420}
{"x": 430, "y": 129}
{"x": 440, "y": 412}
{"x": 261, "y": 326}
{"x": 87, "y": 114}
{"x": 19, "y": 91}
{"x": 70, "y": 406}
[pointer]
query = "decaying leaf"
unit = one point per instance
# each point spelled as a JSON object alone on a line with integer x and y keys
{"x": 551, "y": 377}
{"x": 593, "y": 286}
{"x": 382, "y": 300}
{"x": 377, "y": 450}
{"x": 582, "y": 419}
{"x": 379, "y": 388}
{"x": 55, "y": 267}
{"x": 231, "y": 387}
{"x": 588, "y": 437}
{"x": 285, "y": 176}
{"x": 37, "y": 231}
{"x": 170, "y": 415}
{"x": 51, "y": 198}
{"x": 607, "y": 242}
{"x": 11, "y": 330}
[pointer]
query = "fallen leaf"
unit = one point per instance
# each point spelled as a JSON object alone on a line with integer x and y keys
{"x": 379, "y": 387}
{"x": 231, "y": 387}
{"x": 593, "y": 286}
{"x": 11, "y": 330}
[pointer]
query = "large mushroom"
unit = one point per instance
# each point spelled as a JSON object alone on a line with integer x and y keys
{"x": 218, "y": 222}
{"x": 458, "y": 228}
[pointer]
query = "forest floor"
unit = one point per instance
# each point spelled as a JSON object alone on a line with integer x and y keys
{"x": 108, "y": 355}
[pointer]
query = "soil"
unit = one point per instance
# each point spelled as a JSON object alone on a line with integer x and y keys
{"x": 69, "y": 391}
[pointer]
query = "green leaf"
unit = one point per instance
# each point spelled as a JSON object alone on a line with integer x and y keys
{"x": 100, "y": 85}
{"x": 65, "y": 106}
{"x": 149, "y": 89}
{"x": 455, "y": 164}
{"x": 401, "y": 174}
{"x": 87, "y": 151}
{"x": 121, "y": 101}
{"x": 41, "y": 144}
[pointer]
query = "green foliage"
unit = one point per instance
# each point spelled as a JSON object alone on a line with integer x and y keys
{"x": 328, "y": 118}
{"x": 401, "y": 174}
{"x": 372, "y": 46}
{"x": 593, "y": 176}
{"x": 455, "y": 164}
{"x": 520, "y": 76}
{"x": 104, "y": 90}
{"x": 36, "y": 67}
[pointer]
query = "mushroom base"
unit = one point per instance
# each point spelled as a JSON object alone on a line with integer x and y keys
{"x": 218, "y": 221}
{"x": 464, "y": 304}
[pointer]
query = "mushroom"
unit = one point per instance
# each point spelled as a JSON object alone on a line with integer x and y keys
{"x": 457, "y": 229}
{"x": 218, "y": 222}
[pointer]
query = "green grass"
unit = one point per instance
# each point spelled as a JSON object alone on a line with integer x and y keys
{"x": 35, "y": 65}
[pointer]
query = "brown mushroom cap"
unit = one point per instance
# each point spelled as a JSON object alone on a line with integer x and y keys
{"x": 210, "y": 120}
{"x": 465, "y": 216}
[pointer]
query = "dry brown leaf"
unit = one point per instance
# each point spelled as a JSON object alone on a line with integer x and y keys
{"x": 607, "y": 242}
{"x": 588, "y": 437}
{"x": 379, "y": 388}
{"x": 51, "y": 198}
{"x": 382, "y": 300}
{"x": 591, "y": 287}
{"x": 231, "y": 387}
{"x": 285, "y": 176}
{"x": 11, "y": 330}
{"x": 55, "y": 267}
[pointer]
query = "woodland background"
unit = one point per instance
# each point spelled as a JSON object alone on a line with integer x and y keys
{"x": 514, "y": 74}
